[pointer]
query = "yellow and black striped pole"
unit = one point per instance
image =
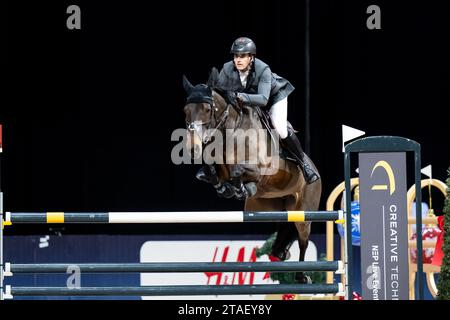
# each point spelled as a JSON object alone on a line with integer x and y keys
{"x": 173, "y": 217}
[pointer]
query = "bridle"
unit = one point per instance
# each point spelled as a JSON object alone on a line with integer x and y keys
{"x": 213, "y": 123}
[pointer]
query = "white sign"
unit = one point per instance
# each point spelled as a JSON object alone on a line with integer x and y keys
{"x": 210, "y": 251}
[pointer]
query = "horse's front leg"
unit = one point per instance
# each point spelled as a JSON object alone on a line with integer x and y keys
{"x": 242, "y": 190}
{"x": 209, "y": 174}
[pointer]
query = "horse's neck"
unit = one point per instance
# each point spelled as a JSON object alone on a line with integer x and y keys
{"x": 237, "y": 118}
{"x": 251, "y": 119}
{"x": 233, "y": 118}
{"x": 244, "y": 123}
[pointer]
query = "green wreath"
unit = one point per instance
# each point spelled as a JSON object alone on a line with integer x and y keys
{"x": 444, "y": 276}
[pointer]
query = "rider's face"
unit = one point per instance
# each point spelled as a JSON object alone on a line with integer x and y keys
{"x": 242, "y": 61}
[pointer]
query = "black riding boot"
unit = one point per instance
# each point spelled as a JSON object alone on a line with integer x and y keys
{"x": 293, "y": 145}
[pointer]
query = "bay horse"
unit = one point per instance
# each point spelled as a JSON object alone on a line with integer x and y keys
{"x": 284, "y": 188}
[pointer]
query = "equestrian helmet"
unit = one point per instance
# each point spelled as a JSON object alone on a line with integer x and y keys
{"x": 243, "y": 45}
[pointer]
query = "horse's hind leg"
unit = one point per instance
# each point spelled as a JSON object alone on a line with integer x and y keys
{"x": 304, "y": 230}
{"x": 286, "y": 232}
{"x": 309, "y": 200}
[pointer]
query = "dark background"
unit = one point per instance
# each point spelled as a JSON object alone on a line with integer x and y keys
{"x": 88, "y": 114}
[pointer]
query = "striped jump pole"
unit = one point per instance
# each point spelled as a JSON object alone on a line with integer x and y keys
{"x": 336, "y": 266}
{"x": 191, "y": 290}
{"x": 173, "y": 217}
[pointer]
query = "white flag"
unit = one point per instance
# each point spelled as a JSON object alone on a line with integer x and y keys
{"x": 349, "y": 133}
{"x": 427, "y": 171}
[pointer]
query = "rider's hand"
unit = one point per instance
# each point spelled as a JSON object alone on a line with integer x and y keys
{"x": 232, "y": 97}
{"x": 242, "y": 98}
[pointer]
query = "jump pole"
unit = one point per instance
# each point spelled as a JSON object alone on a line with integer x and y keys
{"x": 192, "y": 290}
{"x": 168, "y": 217}
{"x": 173, "y": 217}
{"x": 288, "y": 266}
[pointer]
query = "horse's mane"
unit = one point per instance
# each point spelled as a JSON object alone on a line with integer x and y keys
{"x": 204, "y": 92}
{"x": 213, "y": 78}
{"x": 223, "y": 94}
{"x": 213, "y": 82}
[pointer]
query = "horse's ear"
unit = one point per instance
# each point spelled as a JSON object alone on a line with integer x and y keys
{"x": 187, "y": 85}
{"x": 213, "y": 77}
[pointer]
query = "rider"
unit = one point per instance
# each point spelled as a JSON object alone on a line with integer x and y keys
{"x": 251, "y": 82}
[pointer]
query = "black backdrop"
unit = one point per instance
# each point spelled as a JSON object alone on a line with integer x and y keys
{"x": 88, "y": 115}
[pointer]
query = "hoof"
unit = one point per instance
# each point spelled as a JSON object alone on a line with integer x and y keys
{"x": 202, "y": 176}
{"x": 207, "y": 174}
{"x": 302, "y": 278}
{"x": 245, "y": 191}
{"x": 225, "y": 191}
{"x": 308, "y": 279}
{"x": 240, "y": 192}
{"x": 251, "y": 189}
{"x": 241, "y": 196}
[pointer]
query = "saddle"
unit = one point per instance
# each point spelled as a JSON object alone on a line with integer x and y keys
{"x": 265, "y": 120}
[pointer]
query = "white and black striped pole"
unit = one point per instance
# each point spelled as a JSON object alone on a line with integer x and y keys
{"x": 173, "y": 217}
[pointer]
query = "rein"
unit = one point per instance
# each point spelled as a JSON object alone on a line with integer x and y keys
{"x": 195, "y": 125}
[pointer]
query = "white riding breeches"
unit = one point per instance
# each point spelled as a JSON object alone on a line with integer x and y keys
{"x": 278, "y": 115}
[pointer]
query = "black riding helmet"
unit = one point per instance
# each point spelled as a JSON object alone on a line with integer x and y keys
{"x": 243, "y": 45}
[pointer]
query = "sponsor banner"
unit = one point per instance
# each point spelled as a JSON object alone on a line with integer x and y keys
{"x": 384, "y": 226}
{"x": 210, "y": 251}
{"x": 75, "y": 249}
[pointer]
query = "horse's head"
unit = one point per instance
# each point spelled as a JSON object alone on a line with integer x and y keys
{"x": 204, "y": 111}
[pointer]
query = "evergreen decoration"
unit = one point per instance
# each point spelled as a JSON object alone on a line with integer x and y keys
{"x": 444, "y": 279}
{"x": 289, "y": 277}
